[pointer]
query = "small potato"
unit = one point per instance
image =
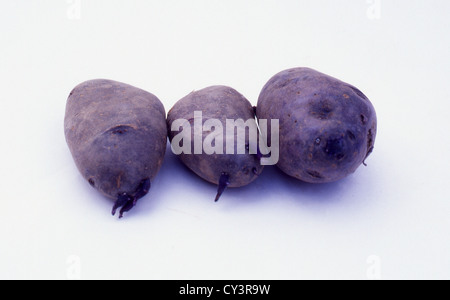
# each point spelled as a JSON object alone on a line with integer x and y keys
{"x": 202, "y": 120}
{"x": 327, "y": 127}
{"x": 117, "y": 135}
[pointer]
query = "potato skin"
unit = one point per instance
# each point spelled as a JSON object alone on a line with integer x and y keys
{"x": 117, "y": 135}
{"x": 327, "y": 127}
{"x": 221, "y": 103}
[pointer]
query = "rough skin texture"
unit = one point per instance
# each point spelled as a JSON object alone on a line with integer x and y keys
{"x": 117, "y": 135}
{"x": 217, "y": 102}
{"x": 327, "y": 127}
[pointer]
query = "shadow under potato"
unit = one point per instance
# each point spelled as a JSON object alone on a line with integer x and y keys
{"x": 271, "y": 185}
{"x": 275, "y": 184}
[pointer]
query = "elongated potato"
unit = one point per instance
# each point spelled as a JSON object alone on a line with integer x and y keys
{"x": 327, "y": 127}
{"x": 117, "y": 135}
{"x": 200, "y": 120}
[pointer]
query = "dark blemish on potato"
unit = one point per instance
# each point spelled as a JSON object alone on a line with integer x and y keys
{"x": 370, "y": 139}
{"x": 322, "y": 109}
{"x": 351, "y": 135}
{"x": 91, "y": 182}
{"x": 334, "y": 147}
{"x": 318, "y": 141}
{"x": 255, "y": 171}
{"x": 245, "y": 170}
{"x": 363, "y": 119}
{"x": 314, "y": 174}
{"x": 370, "y": 146}
{"x": 121, "y": 129}
{"x": 284, "y": 84}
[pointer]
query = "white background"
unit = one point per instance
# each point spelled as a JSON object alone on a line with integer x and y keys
{"x": 389, "y": 220}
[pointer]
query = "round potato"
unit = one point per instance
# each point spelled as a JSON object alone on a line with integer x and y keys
{"x": 327, "y": 127}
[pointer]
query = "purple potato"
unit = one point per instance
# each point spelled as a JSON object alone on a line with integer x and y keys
{"x": 222, "y": 169}
{"x": 117, "y": 135}
{"x": 327, "y": 127}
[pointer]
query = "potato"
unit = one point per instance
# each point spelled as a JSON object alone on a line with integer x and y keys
{"x": 117, "y": 135}
{"x": 327, "y": 127}
{"x": 198, "y": 127}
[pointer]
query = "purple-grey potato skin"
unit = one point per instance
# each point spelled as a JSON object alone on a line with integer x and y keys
{"x": 221, "y": 103}
{"x": 117, "y": 135}
{"x": 327, "y": 127}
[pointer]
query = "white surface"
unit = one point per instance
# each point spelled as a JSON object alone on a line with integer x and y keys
{"x": 389, "y": 220}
